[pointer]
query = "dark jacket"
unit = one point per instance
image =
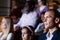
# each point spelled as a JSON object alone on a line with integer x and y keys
{"x": 56, "y": 36}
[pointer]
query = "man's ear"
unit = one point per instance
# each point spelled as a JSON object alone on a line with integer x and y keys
{"x": 56, "y": 20}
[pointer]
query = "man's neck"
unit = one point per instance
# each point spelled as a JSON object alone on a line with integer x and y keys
{"x": 52, "y": 30}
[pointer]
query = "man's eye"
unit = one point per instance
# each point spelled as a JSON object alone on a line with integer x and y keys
{"x": 49, "y": 17}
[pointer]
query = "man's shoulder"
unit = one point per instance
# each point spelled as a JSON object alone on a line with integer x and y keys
{"x": 42, "y": 36}
{"x": 57, "y": 33}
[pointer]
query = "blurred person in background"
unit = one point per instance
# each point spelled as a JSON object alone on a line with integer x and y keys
{"x": 29, "y": 18}
{"x": 16, "y": 13}
{"x": 56, "y": 5}
{"x": 7, "y": 33}
{"x": 40, "y": 26}
{"x": 42, "y": 7}
{"x": 27, "y": 33}
{"x": 25, "y": 9}
{"x": 16, "y": 7}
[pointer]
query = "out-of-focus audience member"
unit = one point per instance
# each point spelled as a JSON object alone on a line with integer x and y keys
{"x": 6, "y": 33}
{"x": 25, "y": 9}
{"x": 16, "y": 13}
{"x": 16, "y": 10}
{"x": 51, "y": 19}
{"x": 58, "y": 9}
{"x": 13, "y": 6}
{"x": 42, "y": 7}
{"x": 17, "y": 6}
{"x": 40, "y": 25}
{"x": 28, "y": 18}
{"x": 27, "y": 33}
{"x": 56, "y": 5}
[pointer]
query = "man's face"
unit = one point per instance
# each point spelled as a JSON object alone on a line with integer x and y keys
{"x": 24, "y": 34}
{"x": 49, "y": 19}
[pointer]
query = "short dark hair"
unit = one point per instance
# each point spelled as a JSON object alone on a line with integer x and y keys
{"x": 43, "y": 13}
{"x": 56, "y": 13}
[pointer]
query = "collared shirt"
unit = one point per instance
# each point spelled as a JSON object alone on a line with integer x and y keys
{"x": 50, "y": 35}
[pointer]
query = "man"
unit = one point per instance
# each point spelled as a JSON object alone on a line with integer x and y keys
{"x": 51, "y": 19}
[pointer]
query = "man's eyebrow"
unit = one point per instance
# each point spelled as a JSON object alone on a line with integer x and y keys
{"x": 50, "y": 16}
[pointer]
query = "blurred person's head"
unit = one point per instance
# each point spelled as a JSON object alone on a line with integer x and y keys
{"x": 42, "y": 16}
{"x": 26, "y": 4}
{"x": 13, "y": 4}
{"x": 51, "y": 19}
{"x": 4, "y": 23}
{"x": 56, "y": 4}
{"x": 27, "y": 33}
{"x": 36, "y": 4}
{"x": 41, "y": 2}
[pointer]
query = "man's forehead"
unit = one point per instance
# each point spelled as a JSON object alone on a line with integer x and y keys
{"x": 49, "y": 13}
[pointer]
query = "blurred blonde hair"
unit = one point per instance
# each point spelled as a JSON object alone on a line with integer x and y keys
{"x": 5, "y": 26}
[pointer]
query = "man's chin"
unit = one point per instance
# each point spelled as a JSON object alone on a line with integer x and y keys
{"x": 48, "y": 27}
